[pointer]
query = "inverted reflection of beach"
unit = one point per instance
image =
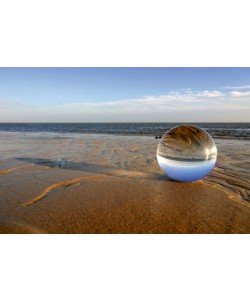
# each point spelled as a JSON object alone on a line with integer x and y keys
{"x": 185, "y": 170}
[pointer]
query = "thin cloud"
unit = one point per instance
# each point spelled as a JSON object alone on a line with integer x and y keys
{"x": 208, "y": 94}
{"x": 238, "y": 94}
{"x": 170, "y": 100}
{"x": 174, "y": 106}
{"x": 242, "y": 87}
{"x": 5, "y": 103}
{"x": 171, "y": 103}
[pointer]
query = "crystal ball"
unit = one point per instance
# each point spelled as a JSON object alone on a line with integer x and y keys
{"x": 186, "y": 153}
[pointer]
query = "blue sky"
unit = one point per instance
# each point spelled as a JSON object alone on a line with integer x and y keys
{"x": 124, "y": 94}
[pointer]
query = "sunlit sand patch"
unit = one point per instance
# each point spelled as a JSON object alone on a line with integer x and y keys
{"x": 58, "y": 185}
{"x": 7, "y": 171}
{"x": 77, "y": 181}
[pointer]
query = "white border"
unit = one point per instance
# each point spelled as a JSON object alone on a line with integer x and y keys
{"x": 124, "y": 267}
{"x": 124, "y": 33}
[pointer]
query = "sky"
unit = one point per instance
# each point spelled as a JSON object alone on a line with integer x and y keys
{"x": 124, "y": 95}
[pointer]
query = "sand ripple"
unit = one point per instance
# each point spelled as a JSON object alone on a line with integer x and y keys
{"x": 7, "y": 171}
{"x": 57, "y": 186}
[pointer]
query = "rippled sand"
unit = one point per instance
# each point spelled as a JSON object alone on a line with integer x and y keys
{"x": 76, "y": 183}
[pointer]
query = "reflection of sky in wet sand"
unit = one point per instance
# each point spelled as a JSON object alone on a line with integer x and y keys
{"x": 185, "y": 170}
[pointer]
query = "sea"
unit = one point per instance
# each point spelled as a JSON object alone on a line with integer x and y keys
{"x": 216, "y": 130}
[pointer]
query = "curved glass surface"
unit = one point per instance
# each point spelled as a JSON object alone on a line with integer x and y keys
{"x": 186, "y": 153}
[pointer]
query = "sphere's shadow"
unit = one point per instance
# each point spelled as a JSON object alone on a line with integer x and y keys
{"x": 94, "y": 168}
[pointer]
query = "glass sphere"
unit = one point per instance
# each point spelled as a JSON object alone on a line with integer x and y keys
{"x": 186, "y": 153}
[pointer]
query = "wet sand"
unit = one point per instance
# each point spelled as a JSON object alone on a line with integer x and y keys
{"x": 77, "y": 183}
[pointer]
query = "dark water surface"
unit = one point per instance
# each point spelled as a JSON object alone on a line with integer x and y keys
{"x": 221, "y": 130}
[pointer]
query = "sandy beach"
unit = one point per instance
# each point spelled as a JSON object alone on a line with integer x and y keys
{"x": 97, "y": 183}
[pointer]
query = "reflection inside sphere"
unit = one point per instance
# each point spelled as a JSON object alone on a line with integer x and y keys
{"x": 186, "y": 153}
